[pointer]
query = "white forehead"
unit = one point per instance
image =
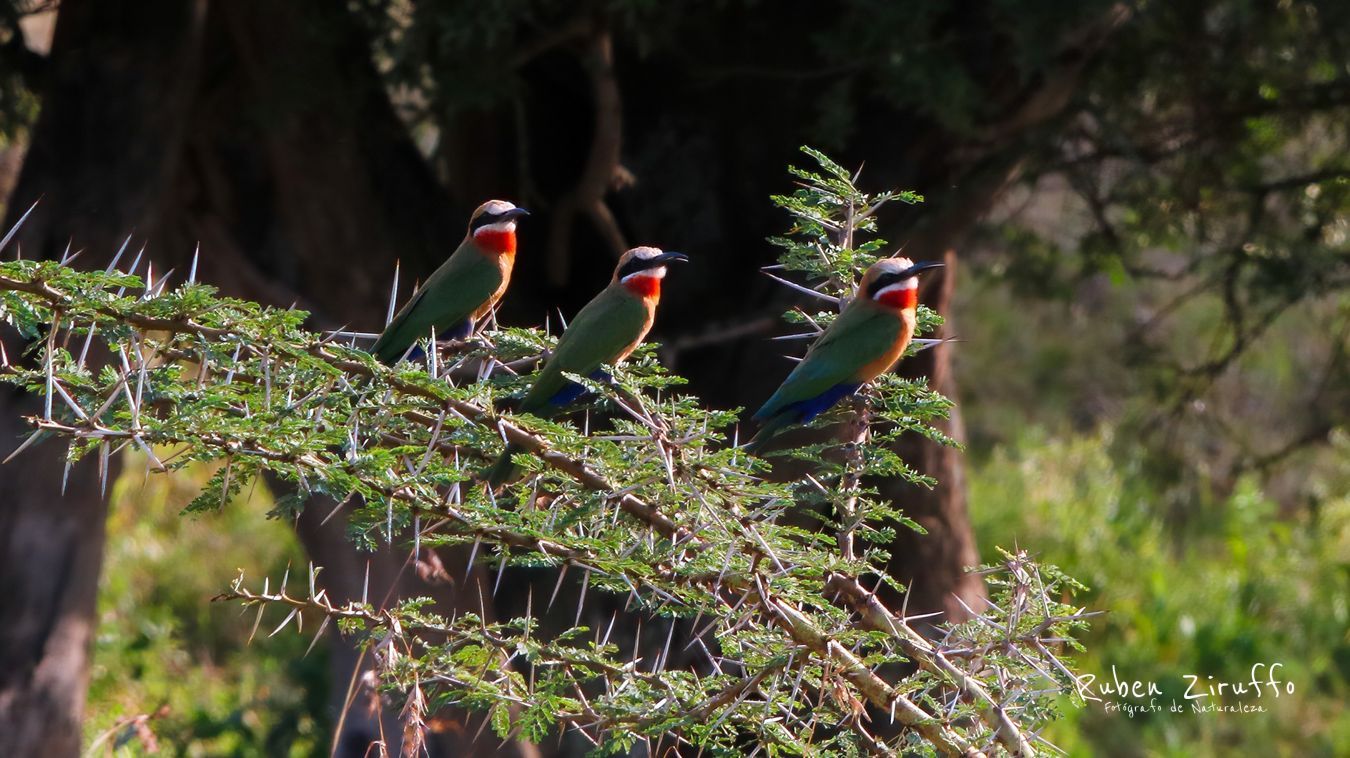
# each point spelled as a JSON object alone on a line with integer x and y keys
{"x": 893, "y": 265}
{"x": 498, "y": 206}
{"x": 645, "y": 253}
{"x": 495, "y": 207}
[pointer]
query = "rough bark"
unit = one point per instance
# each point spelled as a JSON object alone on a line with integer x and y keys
{"x": 262, "y": 133}
{"x": 117, "y": 75}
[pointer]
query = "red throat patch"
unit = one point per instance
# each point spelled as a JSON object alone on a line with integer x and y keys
{"x": 494, "y": 241}
{"x": 644, "y": 286}
{"x": 901, "y": 299}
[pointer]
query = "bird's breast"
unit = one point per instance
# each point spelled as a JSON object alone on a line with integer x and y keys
{"x": 504, "y": 263}
{"x": 886, "y": 360}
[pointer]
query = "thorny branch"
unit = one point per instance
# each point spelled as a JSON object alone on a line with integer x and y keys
{"x": 799, "y": 640}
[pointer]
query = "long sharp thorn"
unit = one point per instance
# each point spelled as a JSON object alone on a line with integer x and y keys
{"x": 135, "y": 264}
{"x": 500, "y": 570}
{"x": 49, "y": 361}
{"x": 317, "y": 635}
{"x": 665, "y": 652}
{"x": 65, "y": 475}
{"x": 557, "y": 586}
{"x": 393, "y": 297}
{"x": 432, "y": 367}
{"x": 801, "y": 289}
{"x": 65, "y": 256}
{"x": 192, "y": 272}
{"x": 117, "y": 258}
{"x": 581, "y": 599}
{"x": 88, "y": 338}
{"x": 479, "y": 733}
{"x": 15, "y": 229}
{"x": 158, "y": 287}
{"x": 473, "y": 553}
{"x": 256, "y": 622}
{"x": 365, "y": 585}
{"x": 103, "y": 450}
{"x": 529, "y": 610}
{"x": 70, "y": 401}
{"x": 609, "y": 629}
{"x": 284, "y": 622}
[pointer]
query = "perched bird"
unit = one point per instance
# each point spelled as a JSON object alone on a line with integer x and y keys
{"x": 606, "y": 331}
{"x": 463, "y": 289}
{"x": 867, "y": 339}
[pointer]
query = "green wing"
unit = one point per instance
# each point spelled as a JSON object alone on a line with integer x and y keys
{"x": 598, "y": 334}
{"x": 859, "y": 336}
{"x": 450, "y": 295}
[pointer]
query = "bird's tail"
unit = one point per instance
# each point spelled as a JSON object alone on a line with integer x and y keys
{"x": 382, "y": 352}
{"x": 503, "y": 470}
{"x": 772, "y": 426}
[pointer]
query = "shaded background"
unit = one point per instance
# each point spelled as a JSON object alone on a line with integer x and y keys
{"x": 1142, "y": 207}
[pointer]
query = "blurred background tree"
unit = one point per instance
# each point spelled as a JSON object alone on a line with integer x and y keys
{"x": 1145, "y": 204}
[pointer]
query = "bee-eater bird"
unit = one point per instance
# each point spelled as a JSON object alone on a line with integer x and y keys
{"x": 462, "y": 291}
{"x": 605, "y": 331}
{"x": 867, "y": 339}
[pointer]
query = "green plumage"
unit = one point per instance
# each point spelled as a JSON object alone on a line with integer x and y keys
{"x": 860, "y": 336}
{"x": 608, "y": 327}
{"x": 847, "y": 353}
{"x": 462, "y": 284}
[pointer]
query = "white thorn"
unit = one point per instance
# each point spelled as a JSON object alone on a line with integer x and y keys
{"x": 15, "y": 229}
{"x": 393, "y": 297}
{"x": 118, "y": 257}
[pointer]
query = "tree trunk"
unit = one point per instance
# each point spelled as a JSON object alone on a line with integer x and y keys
{"x": 102, "y": 151}
{"x": 262, "y": 133}
{"x": 935, "y": 565}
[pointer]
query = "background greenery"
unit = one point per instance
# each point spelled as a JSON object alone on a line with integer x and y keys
{"x": 1235, "y": 584}
{"x": 161, "y": 644}
{"x": 1204, "y": 147}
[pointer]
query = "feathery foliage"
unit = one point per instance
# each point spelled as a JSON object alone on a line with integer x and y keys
{"x": 640, "y": 496}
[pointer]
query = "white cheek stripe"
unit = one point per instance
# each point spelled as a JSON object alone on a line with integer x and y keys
{"x": 654, "y": 273}
{"x": 501, "y": 226}
{"x": 908, "y": 284}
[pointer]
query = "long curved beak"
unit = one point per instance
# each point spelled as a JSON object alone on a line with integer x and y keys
{"x": 918, "y": 267}
{"x": 513, "y": 213}
{"x": 668, "y": 257}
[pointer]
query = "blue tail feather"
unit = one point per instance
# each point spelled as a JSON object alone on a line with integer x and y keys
{"x": 571, "y": 392}
{"x": 804, "y": 410}
{"x": 799, "y": 412}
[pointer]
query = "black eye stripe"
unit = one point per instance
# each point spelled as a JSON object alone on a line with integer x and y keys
{"x": 884, "y": 281}
{"x": 635, "y": 265}
{"x": 485, "y": 219}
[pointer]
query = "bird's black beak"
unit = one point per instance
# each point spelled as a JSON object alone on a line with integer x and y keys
{"x": 665, "y": 258}
{"x": 513, "y": 213}
{"x": 917, "y": 268}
